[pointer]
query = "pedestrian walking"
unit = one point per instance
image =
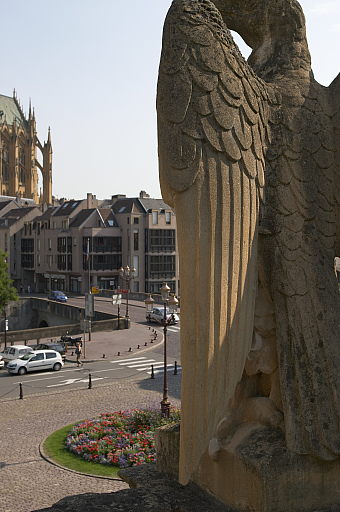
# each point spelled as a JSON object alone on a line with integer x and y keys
{"x": 78, "y": 352}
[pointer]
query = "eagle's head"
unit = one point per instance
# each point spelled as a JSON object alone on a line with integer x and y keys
{"x": 274, "y": 29}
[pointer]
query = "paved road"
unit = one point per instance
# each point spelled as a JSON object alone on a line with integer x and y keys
{"x": 71, "y": 377}
{"x": 30, "y": 483}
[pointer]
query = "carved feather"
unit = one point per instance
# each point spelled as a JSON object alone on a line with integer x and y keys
{"x": 216, "y": 199}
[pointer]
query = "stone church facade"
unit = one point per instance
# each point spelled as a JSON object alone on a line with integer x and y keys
{"x": 19, "y": 149}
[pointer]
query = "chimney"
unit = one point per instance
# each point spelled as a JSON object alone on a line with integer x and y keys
{"x": 89, "y": 201}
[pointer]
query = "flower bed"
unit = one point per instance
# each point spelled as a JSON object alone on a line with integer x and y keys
{"x": 123, "y": 438}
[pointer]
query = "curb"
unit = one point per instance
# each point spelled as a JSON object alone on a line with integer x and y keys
{"x": 51, "y": 461}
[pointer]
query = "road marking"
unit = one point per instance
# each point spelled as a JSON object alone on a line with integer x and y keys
{"x": 145, "y": 364}
{"x": 75, "y": 381}
{"x": 169, "y": 369}
{"x": 130, "y": 359}
{"x": 145, "y": 361}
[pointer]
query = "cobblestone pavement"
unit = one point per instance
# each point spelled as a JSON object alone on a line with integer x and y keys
{"x": 30, "y": 483}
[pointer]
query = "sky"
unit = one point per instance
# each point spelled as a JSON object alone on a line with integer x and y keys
{"x": 90, "y": 69}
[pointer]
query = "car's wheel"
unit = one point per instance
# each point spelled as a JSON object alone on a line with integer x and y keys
{"x": 57, "y": 367}
{"x": 22, "y": 370}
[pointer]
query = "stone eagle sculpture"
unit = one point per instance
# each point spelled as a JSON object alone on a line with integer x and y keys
{"x": 249, "y": 160}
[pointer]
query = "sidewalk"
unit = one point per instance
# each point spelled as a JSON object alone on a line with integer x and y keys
{"x": 107, "y": 344}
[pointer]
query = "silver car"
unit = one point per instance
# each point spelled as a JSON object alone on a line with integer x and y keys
{"x": 38, "y": 360}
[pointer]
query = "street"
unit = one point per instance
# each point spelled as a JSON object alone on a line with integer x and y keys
{"x": 72, "y": 377}
{"x": 137, "y": 366}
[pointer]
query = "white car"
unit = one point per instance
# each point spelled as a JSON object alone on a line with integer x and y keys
{"x": 38, "y": 360}
{"x": 14, "y": 352}
{"x": 157, "y": 315}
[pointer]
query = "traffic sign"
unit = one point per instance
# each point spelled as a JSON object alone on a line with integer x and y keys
{"x": 124, "y": 291}
{"x": 117, "y": 299}
{"x": 95, "y": 289}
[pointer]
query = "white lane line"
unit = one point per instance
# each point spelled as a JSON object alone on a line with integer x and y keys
{"x": 179, "y": 368}
{"x": 76, "y": 370}
{"x": 130, "y": 359}
{"x": 145, "y": 364}
{"x": 173, "y": 329}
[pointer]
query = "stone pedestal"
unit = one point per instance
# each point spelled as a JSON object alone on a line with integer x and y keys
{"x": 256, "y": 472}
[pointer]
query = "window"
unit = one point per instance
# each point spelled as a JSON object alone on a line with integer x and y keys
{"x": 136, "y": 286}
{"x": 38, "y": 260}
{"x": 49, "y": 244}
{"x": 50, "y": 355}
{"x": 74, "y": 241}
{"x": 155, "y": 217}
{"x": 135, "y": 240}
{"x": 136, "y": 220}
{"x": 38, "y": 357}
{"x": 162, "y": 240}
{"x": 167, "y": 217}
{"x": 136, "y": 265}
{"x": 54, "y": 225}
{"x": 38, "y": 244}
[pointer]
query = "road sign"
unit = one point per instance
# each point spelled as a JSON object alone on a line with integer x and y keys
{"x": 124, "y": 291}
{"x": 95, "y": 289}
{"x": 6, "y": 327}
{"x": 117, "y": 299}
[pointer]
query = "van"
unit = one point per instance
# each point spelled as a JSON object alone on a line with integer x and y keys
{"x": 14, "y": 352}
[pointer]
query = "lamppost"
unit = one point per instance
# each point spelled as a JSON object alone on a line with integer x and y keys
{"x": 149, "y": 302}
{"x": 172, "y": 303}
{"x": 5, "y": 315}
{"x": 127, "y": 274}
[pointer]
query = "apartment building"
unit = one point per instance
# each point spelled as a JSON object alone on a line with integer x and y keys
{"x": 149, "y": 242}
{"x": 12, "y": 227}
{"x": 84, "y": 243}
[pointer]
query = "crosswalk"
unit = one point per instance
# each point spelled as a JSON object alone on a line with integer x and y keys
{"x": 141, "y": 364}
{"x": 174, "y": 328}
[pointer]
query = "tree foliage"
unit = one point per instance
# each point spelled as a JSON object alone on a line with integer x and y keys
{"x": 7, "y": 291}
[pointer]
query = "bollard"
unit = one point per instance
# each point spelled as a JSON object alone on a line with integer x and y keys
{"x": 90, "y": 381}
{"x": 149, "y": 327}
{"x": 25, "y": 343}
{"x": 21, "y": 395}
{"x": 152, "y": 372}
{"x": 138, "y": 346}
{"x": 151, "y": 341}
{"x": 118, "y": 353}
{"x": 146, "y": 344}
{"x": 175, "y": 370}
{"x": 104, "y": 356}
{"x": 130, "y": 350}
{"x": 72, "y": 353}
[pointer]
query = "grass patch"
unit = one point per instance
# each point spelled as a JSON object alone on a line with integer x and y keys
{"x": 54, "y": 447}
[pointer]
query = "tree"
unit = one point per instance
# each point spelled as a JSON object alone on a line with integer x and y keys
{"x": 7, "y": 291}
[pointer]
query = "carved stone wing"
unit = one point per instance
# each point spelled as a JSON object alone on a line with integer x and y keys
{"x": 213, "y": 131}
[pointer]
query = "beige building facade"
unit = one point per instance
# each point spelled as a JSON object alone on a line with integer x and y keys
{"x": 83, "y": 244}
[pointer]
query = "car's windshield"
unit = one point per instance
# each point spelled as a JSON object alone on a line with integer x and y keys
{"x": 58, "y": 293}
{"x": 27, "y": 356}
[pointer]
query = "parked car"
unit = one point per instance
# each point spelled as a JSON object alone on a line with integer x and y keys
{"x": 57, "y": 295}
{"x": 51, "y": 346}
{"x": 157, "y": 315}
{"x": 2, "y": 362}
{"x": 71, "y": 341}
{"x": 14, "y": 352}
{"x": 38, "y": 360}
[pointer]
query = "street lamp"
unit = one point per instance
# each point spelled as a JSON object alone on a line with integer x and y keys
{"x": 149, "y": 302}
{"x": 127, "y": 274}
{"x": 172, "y": 302}
{"x": 5, "y": 305}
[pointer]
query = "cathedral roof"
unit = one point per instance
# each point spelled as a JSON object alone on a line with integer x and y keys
{"x": 10, "y": 111}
